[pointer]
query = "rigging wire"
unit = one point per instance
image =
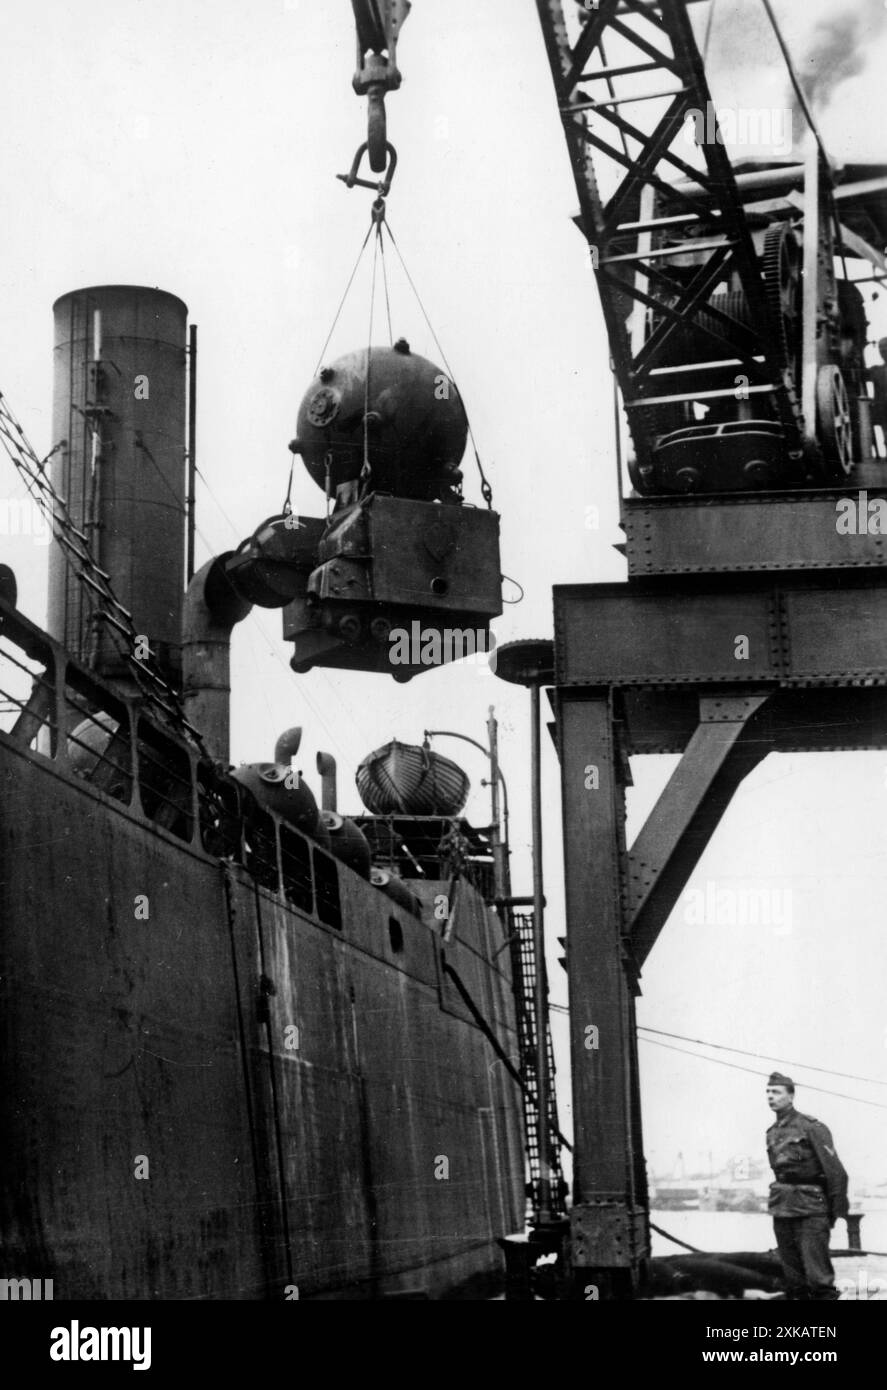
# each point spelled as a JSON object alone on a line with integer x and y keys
{"x": 793, "y": 78}
{"x": 708, "y": 28}
{"x": 753, "y": 1071}
{"x": 385, "y": 285}
{"x": 342, "y": 300}
{"x": 118, "y": 620}
{"x": 764, "y": 1056}
{"x": 808, "y": 115}
{"x": 486, "y": 490}
{"x": 366, "y": 471}
{"x": 694, "y": 1249}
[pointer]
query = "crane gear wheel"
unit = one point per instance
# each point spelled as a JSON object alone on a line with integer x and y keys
{"x": 834, "y": 422}
{"x": 782, "y": 285}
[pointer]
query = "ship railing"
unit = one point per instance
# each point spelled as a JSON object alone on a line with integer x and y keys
{"x": 99, "y": 742}
{"x": 421, "y": 847}
{"x": 220, "y": 814}
{"x": 108, "y": 741}
{"x": 234, "y": 826}
{"x": 261, "y": 859}
{"x": 165, "y": 780}
{"x": 279, "y": 857}
{"x": 295, "y": 869}
{"x": 326, "y": 887}
{"x": 27, "y": 697}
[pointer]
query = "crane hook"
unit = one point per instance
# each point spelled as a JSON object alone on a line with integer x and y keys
{"x": 377, "y": 128}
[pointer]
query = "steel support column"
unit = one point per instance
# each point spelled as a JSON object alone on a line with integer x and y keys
{"x": 616, "y": 904}
{"x": 609, "y": 1219}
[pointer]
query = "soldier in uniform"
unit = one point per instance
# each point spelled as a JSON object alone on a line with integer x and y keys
{"x": 808, "y": 1195}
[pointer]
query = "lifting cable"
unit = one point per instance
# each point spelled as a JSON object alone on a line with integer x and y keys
{"x": 486, "y": 490}
{"x": 378, "y": 216}
{"x": 380, "y": 225}
{"x": 381, "y": 246}
{"x": 345, "y": 294}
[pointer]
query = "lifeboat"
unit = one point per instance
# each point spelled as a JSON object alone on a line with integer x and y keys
{"x": 403, "y": 779}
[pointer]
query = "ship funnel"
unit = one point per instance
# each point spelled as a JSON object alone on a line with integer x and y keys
{"x": 326, "y": 766}
{"x": 287, "y": 746}
{"x": 211, "y": 610}
{"x": 119, "y": 406}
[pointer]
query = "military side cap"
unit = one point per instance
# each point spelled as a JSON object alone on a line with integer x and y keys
{"x": 777, "y": 1079}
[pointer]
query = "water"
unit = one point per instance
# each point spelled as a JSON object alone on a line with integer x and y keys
{"x": 713, "y": 1230}
{"x": 725, "y": 1231}
{"x": 858, "y": 1278}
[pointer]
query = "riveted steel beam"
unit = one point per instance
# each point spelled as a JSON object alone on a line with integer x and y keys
{"x": 837, "y": 528}
{"x": 791, "y": 630}
{"x": 609, "y": 1223}
{"x": 809, "y": 719}
{"x": 730, "y": 739}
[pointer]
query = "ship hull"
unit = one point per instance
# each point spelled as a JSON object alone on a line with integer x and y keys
{"x": 208, "y": 1094}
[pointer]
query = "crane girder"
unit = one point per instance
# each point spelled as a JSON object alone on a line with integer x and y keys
{"x": 643, "y": 230}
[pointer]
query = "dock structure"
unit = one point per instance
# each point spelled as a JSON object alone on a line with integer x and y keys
{"x": 754, "y": 615}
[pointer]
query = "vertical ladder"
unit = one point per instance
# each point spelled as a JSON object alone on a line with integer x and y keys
{"x": 523, "y": 961}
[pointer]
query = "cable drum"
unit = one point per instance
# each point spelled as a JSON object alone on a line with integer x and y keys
{"x": 692, "y": 343}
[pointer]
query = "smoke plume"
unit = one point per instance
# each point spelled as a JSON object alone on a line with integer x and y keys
{"x": 837, "y": 50}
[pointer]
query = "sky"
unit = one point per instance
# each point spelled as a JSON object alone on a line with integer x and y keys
{"x": 192, "y": 145}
